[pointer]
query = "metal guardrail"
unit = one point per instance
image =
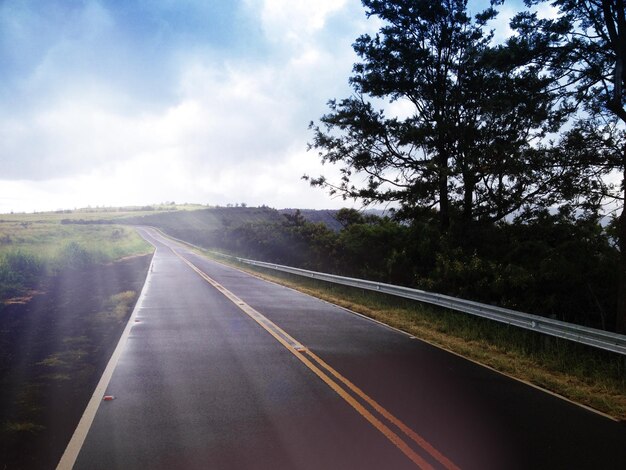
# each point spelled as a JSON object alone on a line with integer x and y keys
{"x": 580, "y": 334}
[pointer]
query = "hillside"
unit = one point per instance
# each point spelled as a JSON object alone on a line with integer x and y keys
{"x": 325, "y": 216}
{"x": 202, "y": 226}
{"x": 328, "y": 216}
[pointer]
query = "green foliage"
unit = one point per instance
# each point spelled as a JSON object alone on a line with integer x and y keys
{"x": 583, "y": 47}
{"x": 203, "y": 227}
{"x": 582, "y": 51}
{"x": 474, "y": 150}
{"x": 289, "y": 241}
{"x": 548, "y": 264}
{"x": 34, "y": 249}
{"x": 74, "y": 255}
{"x": 470, "y": 144}
{"x": 374, "y": 248}
{"x": 18, "y": 269}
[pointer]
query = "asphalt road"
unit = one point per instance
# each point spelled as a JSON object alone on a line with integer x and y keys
{"x": 222, "y": 370}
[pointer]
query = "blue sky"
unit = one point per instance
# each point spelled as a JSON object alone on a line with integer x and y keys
{"x": 142, "y": 101}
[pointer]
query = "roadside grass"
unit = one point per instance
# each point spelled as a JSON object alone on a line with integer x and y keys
{"x": 51, "y": 241}
{"x": 22, "y": 427}
{"x": 118, "y": 307}
{"x": 72, "y": 363}
{"x": 32, "y": 250}
{"x": 54, "y": 346}
{"x": 582, "y": 374}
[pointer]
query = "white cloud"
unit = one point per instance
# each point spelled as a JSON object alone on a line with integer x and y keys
{"x": 508, "y": 10}
{"x": 233, "y": 134}
{"x": 290, "y": 21}
{"x": 217, "y": 129}
{"x": 500, "y": 25}
{"x": 231, "y": 130}
{"x": 160, "y": 176}
{"x": 547, "y": 11}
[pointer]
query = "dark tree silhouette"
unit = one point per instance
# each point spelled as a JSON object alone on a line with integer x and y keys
{"x": 469, "y": 144}
{"x": 584, "y": 48}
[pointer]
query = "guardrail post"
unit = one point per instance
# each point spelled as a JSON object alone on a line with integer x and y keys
{"x": 549, "y": 340}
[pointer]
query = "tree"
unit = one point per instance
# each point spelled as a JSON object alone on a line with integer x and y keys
{"x": 476, "y": 111}
{"x": 347, "y": 217}
{"x": 505, "y": 111}
{"x": 414, "y": 58}
{"x": 584, "y": 49}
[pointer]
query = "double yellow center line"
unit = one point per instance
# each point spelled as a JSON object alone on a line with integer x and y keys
{"x": 326, "y": 373}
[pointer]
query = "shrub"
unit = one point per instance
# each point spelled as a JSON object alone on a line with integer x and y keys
{"x": 74, "y": 255}
{"x": 19, "y": 271}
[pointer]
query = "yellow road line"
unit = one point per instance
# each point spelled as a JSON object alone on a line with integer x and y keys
{"x": 419, "y": 440}
{"x": 388, "y": 433}
{"x": 296, "y": 349}
{"x": 447, "y": 463}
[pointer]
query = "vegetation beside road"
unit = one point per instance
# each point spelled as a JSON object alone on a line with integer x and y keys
{"x": 32, "y": 250}
{"x": 206, "y": 227}
{"x": 554, "y": 264}
{"x": 53, "y": 349}
{"x": 66, "y": 292}
{"x": 582, "y": 374}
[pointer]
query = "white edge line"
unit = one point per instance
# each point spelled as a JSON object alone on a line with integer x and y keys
{"x": 474, "y": 361}
{"x": 78, "y": 438}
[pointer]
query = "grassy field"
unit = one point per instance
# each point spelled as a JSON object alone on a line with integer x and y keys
{"x": 97, "y": 213}
{"x": 36, "y": 245}
{"x": 585, "y": 375}
{"x": 66, "y": 292}
{"x": 32, "y": 248}
{"x": 205, "y": 227}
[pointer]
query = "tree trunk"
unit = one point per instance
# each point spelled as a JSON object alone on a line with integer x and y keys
{"x": 619, "y": 38}
{"x": 620, "y": 319}
{"x": 444, "y": 202}
{"x": 468, "y": 197}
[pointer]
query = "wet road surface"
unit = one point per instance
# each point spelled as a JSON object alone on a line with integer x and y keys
{"x": 222, "y": 370}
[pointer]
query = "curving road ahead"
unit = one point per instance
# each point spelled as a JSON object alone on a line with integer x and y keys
{"x": 222, "y": 370}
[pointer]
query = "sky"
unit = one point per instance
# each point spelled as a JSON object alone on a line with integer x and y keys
{"x": 135, "y": 102}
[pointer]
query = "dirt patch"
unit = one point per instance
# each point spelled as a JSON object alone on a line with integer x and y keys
{"x": 53, "y": 350}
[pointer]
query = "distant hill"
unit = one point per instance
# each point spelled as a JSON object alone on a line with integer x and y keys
{"x": 378, "y": 212}
{"x": 201, "y": 226}
{"x": 325, "y": 216}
